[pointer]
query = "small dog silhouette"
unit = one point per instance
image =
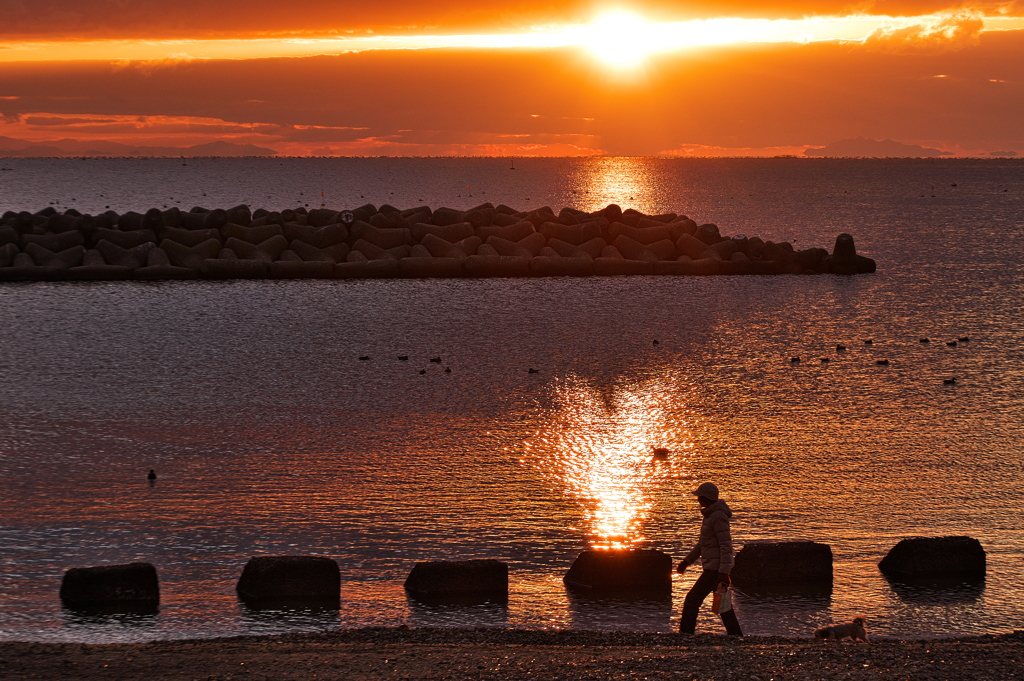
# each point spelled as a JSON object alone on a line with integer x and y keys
{"x": 854, "y": 630}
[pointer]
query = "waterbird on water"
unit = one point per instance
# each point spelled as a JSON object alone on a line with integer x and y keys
{"x": 422, "y": 371}
{"x": 868, "y": 341}
{"x": 152, "y": 475}
{"x": 403, "y": 357}
{"x": 436, "y": 360}
{"x": 951, "y": 344}
{"x": 840, "y": 348}
{"x": 882, "y": 362}
{"x": 364, "y": 358}
{"x": 660, "y": 453}
{"x": 949, "y": 381}
{"x": 963, "y": 339}
{"x": 447, "y": 370}
{"x": 794, "y": 360}
{"x": 925, "y": 340}
{"x": 531, "y": 370}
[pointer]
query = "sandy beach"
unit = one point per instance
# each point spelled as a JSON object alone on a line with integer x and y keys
{"x": 403, "y": 653}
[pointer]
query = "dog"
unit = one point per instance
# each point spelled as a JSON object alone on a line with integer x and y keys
{"x": 854, "y": 631}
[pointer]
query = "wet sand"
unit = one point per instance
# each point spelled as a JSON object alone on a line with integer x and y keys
{"x": 508, "y": 654}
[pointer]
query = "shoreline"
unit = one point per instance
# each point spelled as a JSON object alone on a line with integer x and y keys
{"x": 430, "y": 653}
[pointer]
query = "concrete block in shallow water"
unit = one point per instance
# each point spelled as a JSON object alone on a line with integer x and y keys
{"x": 506, "y": 247}
{"x": 23, "y": 268}
{"x": 778, "y": 563}
{"x": 253, "y": 235}
{"x": 7, "y": 254}
{"x": 454, "y": 232}
{"x": 319, "y": 217}
{"x": 215, "y": 219}
{"x": 634, "y": 250}
{"x": 443, "y": 217}
{"x": 516, "y": 232}
{"x": 695, "y": 248}
{"x": 134, "y": 257}
{"x": 95, "y": 268}
{"x": 708, "y": 233}
{"x": 546, "y": 266}
{"x": 571, "y": 234}
{"x": 374, "y": 252}
{"x": 458, "y": 578}
{"x": 301, "y": 269}
{"x": 621, "y": 266}
{"x": 309, "y": 252}
{"x": 382, "y": 238}
{"x": 269, "y": 579}
{"x": 440, "y": 248}
{"x": 620, "y": 570}
{"x": 266, "y": 251}
{"x": 53, "y": 242}
{"x": 124, "y": 239}
{"x": 725, "y": 248}
{"x": 506, "y": 219}
{"x": 188, "y": 237}
{"x": 111, "y": 584}
{"x": 323, "y": 237}
{"x": 9, "y": 235}
{"x": 643, "y": 235}
{"x": 533, "y": 243}
{"x": 497, "y": 266}
{"x": 70, "y": 257}
{"x": 865, "y": 265}
{"x": 935, "y": 558}
{"x": 191, "y": 257}
{"x": 130, "y": 221}
{"x": 419, "y": 267}
{"x": 844, "y": 256}
{"x": 159, "y": 267}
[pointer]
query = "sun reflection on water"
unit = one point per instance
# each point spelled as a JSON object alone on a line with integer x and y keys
{"x": 599, "y": 446}
{"x": 628, "y": 182}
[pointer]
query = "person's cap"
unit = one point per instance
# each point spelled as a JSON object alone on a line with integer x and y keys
{"x": 708, "y": 490}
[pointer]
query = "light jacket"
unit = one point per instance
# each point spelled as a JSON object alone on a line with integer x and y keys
{"x": 714, "y": 548}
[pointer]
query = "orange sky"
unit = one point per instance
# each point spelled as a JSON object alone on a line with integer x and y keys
{"x": 523, "y": 78}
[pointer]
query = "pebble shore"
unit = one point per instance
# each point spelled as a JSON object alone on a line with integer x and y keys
{"x": 403, "y": 653}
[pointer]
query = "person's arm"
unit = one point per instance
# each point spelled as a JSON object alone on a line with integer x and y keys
{"x": 692, "y": 556}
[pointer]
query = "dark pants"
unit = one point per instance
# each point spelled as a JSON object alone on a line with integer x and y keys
{"x": 704, "y": 585}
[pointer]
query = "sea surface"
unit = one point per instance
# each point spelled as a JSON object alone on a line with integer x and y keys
{"x": 269, "y": 436}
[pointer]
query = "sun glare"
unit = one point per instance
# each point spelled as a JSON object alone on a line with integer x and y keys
{"x": 620, "y": 39}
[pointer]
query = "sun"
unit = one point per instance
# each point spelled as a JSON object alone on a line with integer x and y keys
{"x": 619, "y": 39}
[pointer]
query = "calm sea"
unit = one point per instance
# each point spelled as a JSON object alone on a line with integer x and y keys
{"x": 269, "y": 436}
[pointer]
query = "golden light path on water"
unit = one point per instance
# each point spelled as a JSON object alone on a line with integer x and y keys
{"x": 598, "y": 446}
{"x": 612, "y": 179}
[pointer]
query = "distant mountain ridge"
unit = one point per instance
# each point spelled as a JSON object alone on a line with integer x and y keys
{"x": 16, "y": 148}
{"x": 861, "y": 147}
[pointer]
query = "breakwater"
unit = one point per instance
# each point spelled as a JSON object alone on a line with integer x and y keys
{"x": 385, "y": 241}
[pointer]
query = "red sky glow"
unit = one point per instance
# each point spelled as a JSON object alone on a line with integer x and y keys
{"x": 525, "y": 78}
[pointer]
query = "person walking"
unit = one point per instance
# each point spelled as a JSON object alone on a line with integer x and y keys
{"x": 714, "y": 549}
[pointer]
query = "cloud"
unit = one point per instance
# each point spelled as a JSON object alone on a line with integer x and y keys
{"x": 948, "y": 31}
{"x": 869, "y": 148}
{"x": 735, "y": 97}
{"x": 169, "y": 19}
